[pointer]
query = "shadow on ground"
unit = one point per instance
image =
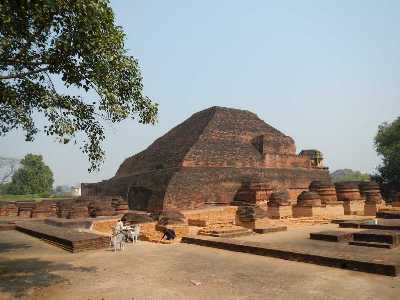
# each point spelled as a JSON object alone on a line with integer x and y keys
{"x": 8, "y": 247}
{"x": 17, "y": 276}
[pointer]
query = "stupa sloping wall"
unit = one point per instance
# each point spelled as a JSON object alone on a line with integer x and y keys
{"x": 206, "y": 159}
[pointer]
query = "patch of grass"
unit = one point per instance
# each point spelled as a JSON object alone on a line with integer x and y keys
{"x": 30, "y": 197}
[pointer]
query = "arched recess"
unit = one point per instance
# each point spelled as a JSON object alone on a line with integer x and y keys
{"x": 139, "y": 197}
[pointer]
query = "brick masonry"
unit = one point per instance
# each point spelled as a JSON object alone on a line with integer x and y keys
{"x": 206, "y": 160}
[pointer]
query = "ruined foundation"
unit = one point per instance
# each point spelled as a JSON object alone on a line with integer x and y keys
{"x": 308, "y": 205}
{"x": 279, "y": 206}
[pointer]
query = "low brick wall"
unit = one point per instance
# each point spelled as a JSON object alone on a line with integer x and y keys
{"x": 280, "y": 212}
{"x": 209, "y": 216}
{"x": 354, "y": 207}
{"x": 254, "y": 224}
{"x": 104, "y": 226}
{"x": 370, "y": 209}
{"x": 308, "y": 211}
{"x": 333, "y": 210}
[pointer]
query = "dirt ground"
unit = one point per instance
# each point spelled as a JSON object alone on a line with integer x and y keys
{"x": 32, "y": 269}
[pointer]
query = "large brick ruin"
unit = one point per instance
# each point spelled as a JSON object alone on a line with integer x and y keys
{"x": 221, "y": 173}
{"x": 217, "y": 156}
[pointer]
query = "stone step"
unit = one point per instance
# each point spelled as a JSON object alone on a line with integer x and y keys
{"x": 232, "y": 234}
{"x": 7, "y": 226}
{"x": 378, "y": 236}
{"x": 270, "y": 229}
{"x": 331, "y": 236}
{"x": 65, "y": 238}
{"x": 372, "y": 244}
{"x": 227, "y": 232}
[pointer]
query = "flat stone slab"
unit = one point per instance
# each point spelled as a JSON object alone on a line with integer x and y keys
{"x": 331, "y": 236}
{"x": 372, "y": 244}
{"x": 352, "y": 223}
{"x": 383, "y": 224}
{"x": 69, "y": 223}
{"x": 270, "y": 229}
{"x": 378, "y": 236}
{"x": 341, "y": 220}
{"x": 340, "y": 255}
{"x": 65, "y": 238}
{"x": 388, "y": 214}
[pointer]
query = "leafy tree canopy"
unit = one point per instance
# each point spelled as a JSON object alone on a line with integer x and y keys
{"x": 387, "y": 143}
{"x": 75, "y": 43}
{"x": 34, "y": 177}
{"x": 349, "y": 175}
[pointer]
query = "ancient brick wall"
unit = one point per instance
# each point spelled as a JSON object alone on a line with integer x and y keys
{"x": 205, "y": 160}
{"x": 142, "y": 191}
{"x": 227, "y": 139}
{"x": 169, "y": 150}
{"x": 192, "y": 187}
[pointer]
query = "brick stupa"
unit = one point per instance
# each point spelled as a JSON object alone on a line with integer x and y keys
{"x": 207, "y": 159}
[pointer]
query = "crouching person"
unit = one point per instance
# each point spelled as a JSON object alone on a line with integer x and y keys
{"x": 169, "y": 234}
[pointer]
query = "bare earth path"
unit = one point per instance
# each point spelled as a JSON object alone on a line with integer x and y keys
{"x": 31, "y": 269}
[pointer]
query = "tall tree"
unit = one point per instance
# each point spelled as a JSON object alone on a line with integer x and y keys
{"x": 75, "y": 43}
{"x": 349, "y": 175}
{"x": 34, "y": 177}
{"x": 387, "y": 143}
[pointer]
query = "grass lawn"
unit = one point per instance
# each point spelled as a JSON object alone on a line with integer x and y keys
{"x": 30, "y": 197}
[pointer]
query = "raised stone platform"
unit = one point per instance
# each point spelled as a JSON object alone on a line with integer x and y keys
{"x": 339, "y": 255}
{"x": 69, "y": 223}
{"x": 65, "y": 238}
{"x": 377, "y": 238}
{"x": 382, "y": 224}
{"x": 388, "y": 214}
{"x": 331, "y": 236}
{"x": 351, "y": 224}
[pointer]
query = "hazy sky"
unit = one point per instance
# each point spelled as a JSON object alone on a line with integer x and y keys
{"x": 326, "y": 73}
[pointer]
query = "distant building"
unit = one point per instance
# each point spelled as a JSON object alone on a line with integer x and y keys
{"x": 75, "y": 191}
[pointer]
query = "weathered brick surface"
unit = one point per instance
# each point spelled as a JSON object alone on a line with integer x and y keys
{"x": 348, "y": 191}
{"x": 371, "y": 192}
{"x": 308, "y": 211}
{"x": 333, "y": 209}
{"x": 279, "y": 199}
{"x": 66, "y": 238}
{"x": 354, "y": 207}
{"x": 280, "y": 212}
{"x": 325, "y": 189}
{"x": 9, "y": 209}
{"x": 309, "y": 199}
{"x": 211, "y": 216}
{"x": 206, "y": 160}
{"x": 370, "y": 209}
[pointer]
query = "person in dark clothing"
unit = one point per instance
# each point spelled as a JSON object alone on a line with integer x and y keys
{"x": 169, "y": 234}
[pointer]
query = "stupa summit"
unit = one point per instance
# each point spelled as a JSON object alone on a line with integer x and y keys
{"x": 212, "y": 158}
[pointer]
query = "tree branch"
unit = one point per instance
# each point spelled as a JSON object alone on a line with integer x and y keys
{"x": 22, "y": 75}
